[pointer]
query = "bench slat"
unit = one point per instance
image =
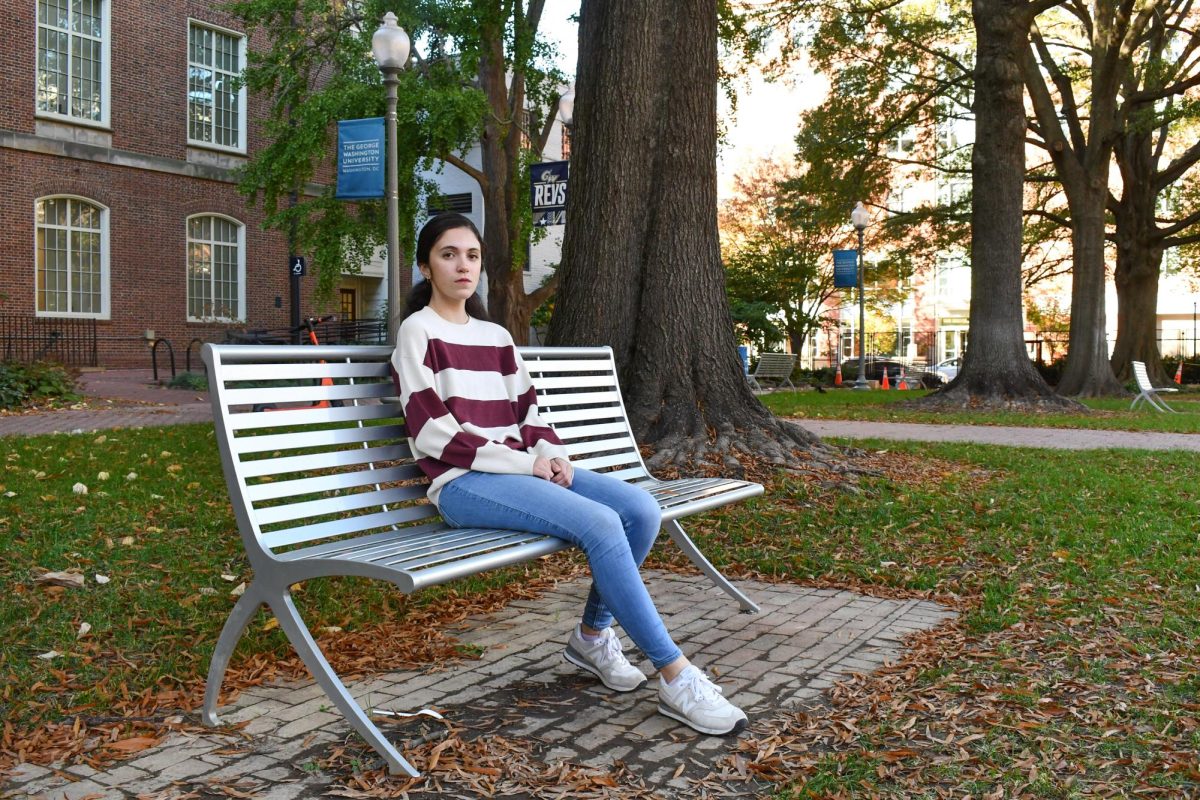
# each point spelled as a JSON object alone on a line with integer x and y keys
{"x": 421, "y": 541}
{"x": 307, "y": 394}
{"x": 600, "y": 462}
{"x": 299, "y": 370}
{"x": 579, "y": 431}
{"x": 483, "y": 542}
{"x": 327, "y": 483}
{"x": 624, "y": 444}
{"x": 577, "y": 414}
{"x": 346, "y": 547}
{"x": 269, "y": 515}
{"x": 253, "y": 420}
{"x": 286, "y": 537}
{"x": 631, "y": 474}
{"x": 317, "y": 461}
{"x": 575, "y": 382}
{"x": 325, "y": 438}
{"x": 559, "y": 399}
{"x": 567, "y": 365}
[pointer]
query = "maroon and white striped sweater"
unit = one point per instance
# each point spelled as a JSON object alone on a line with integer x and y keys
{"x": 469, "y": 403}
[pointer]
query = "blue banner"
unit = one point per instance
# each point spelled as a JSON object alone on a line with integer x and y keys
{"x": 548, "y": 194}
{"x": 845, "y": 269}
{"x": 360, "y": 163}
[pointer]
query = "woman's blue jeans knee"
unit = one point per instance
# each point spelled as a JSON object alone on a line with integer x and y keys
{"x": 613, "y": 522}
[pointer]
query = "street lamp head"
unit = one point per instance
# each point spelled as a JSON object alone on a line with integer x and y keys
{"x": 390, "y": 44}
{"x": 566, "y": 106}
{"x": 859, "y": 217}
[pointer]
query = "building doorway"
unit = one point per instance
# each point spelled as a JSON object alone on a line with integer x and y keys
{"x": 348, "y": 311}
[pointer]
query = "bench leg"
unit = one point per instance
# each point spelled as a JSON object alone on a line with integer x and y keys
{"x": 298, "y": 634}
{"x": 684, "y": 542}
{"x": 244, "y": 611}
{"x": 1163, "y": 404}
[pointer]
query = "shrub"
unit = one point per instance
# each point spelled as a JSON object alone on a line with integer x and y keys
{"x": 23, "y": 384}
{"x": 194, "y": 381}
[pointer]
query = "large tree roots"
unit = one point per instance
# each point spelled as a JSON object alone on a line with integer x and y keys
{"x": 750, "y": 452}
{"x": 997, "y": 396}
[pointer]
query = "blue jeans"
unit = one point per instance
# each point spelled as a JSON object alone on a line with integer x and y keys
{"x": 613, "y": 522}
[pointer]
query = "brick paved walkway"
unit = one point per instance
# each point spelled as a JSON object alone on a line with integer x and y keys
{"x": 122, "y": 398}
{"x": 786, "y": 656}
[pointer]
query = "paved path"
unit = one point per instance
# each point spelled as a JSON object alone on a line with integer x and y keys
{"x": 119, "y": 398}
{"x": 1057, "y": 438}
{"x": 137, "y": 402}
{"x": 521, "y": 689}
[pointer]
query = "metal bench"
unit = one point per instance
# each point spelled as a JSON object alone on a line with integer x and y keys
{"x": 773, "y": 367}
{"x": 1147, "y": 391}
{"x": 331, "y": 491}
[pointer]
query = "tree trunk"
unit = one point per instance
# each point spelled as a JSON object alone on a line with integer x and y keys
{"x": 500, "y": 147}
{"x": 1088, "y": 372}
{"x": 996, "y": 370}
{"x": 641, "y": 264}
{"x": 1137, "y": 313}
{"x": 1139, "y": 259}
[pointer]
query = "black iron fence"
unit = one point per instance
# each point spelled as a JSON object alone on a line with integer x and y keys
{"x": 27, "y": 339}
{"x": 357, "y": 331}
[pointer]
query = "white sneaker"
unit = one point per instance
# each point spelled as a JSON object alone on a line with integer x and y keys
{"x": 696, "y": 701}
{"x": 604, "y": 659}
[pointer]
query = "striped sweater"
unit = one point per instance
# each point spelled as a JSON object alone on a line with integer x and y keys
{"x": 469, "y": 403}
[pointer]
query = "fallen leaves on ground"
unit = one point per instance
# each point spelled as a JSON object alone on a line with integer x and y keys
{"x": 485, "y": 766}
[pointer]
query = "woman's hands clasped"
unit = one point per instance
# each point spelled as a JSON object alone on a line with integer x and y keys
{"x": 558, "y": 470}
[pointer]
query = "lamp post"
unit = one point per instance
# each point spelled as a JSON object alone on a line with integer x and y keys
{"x": 860, "y": 219}
{"x": 390, "y": 46}
{"x": 566, "y": 106}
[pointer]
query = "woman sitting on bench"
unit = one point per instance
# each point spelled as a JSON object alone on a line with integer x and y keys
{"x": 473, "y": 425}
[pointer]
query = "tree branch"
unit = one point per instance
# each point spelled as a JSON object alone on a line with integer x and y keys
{"x": 1070, "y": 108}
{"x": 453, "y": 160}
{"x": 547, "y": 125}
{"x": 1057, "y": 219}
{"x": 1180, "y": 224}
{"x": 1174, "y": 171}
{"x": 544, "y": 292}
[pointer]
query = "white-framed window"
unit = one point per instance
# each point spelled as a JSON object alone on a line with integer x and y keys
{"x": 73, "y": 60}
{"x": 216, "y": 269}
{"x": 216, "y": 103}
{"x": 903, "y": 143}
{"x": 70, "y": 258}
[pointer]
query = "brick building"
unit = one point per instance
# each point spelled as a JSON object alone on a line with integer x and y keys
{"x": 120, "y": 125}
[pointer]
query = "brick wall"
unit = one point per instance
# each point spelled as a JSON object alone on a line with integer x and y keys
{"x": 147, "y": 246}
{"x": 148, "y": 207}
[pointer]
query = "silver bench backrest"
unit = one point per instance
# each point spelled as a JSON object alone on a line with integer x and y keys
{"x": 775, "y": 365}
{"x": 1139, "y": 372}
{"x": 302, "y": 475}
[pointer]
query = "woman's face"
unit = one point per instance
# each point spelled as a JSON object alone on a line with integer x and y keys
{"x": 454, "y": 264}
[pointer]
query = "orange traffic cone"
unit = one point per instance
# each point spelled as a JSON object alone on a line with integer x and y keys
{"x": 885, "y": 384}
{"x": 902, "y": 384}
{"x": 837, "y": 376}
{"x": 1179, "y": 373}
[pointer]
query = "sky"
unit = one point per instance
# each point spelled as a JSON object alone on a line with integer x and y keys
{"x": 767, "y": 116}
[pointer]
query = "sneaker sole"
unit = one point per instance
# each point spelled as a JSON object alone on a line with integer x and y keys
{"x": 571, "y": 657}
{"x": 737, "y": 728}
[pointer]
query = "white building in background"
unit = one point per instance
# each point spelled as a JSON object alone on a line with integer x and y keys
{"x": 364, "y": 295}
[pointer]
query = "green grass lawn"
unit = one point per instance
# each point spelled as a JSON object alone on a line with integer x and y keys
{"x": 1072, "y": 668}
{"x": 894, "y": 406}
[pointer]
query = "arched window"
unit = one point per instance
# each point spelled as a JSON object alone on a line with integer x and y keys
{"x": 216, "y": 269}
{"x": 71, "y": 259}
